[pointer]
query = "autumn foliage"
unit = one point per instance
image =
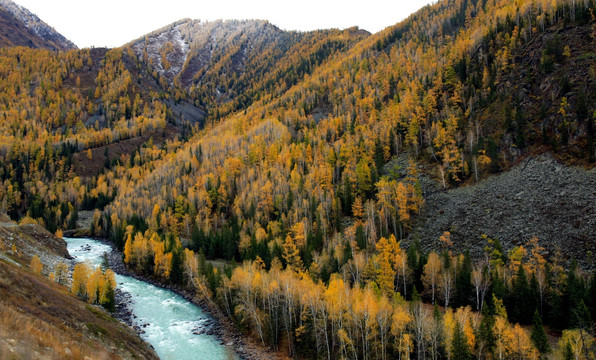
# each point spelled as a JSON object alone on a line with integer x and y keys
{"x": 308, "y": 172}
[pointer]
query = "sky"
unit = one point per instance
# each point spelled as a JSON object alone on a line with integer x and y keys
{"x": 114, "y": 23}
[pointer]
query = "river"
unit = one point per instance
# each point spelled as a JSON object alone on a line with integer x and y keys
{"x": 167, "y": 318}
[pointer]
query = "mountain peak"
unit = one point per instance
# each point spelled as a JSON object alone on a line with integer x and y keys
{"x": 186, "y": 46}
{"x": 23, "y": 28}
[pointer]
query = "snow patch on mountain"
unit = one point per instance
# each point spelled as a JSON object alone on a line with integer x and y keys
{"x": 166, "y": 51}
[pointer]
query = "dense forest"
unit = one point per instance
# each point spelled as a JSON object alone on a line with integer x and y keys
{"x": 299, "y": 162}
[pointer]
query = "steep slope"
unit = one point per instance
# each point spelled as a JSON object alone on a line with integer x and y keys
{"x": 111, "y": 102}
{"x": 539, "y": 197}
{"x": 313, "y": 162}
{"x": 236, "y": 62}
{"x": 429, "y": 86}
{"x": 56, "y": 104}
{"x": 20, "y": 27}
{"x": 40, "y": 318}
{"x": 15, "y": 33}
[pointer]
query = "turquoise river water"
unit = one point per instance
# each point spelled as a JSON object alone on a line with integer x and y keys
{"x": 167, "y": 318}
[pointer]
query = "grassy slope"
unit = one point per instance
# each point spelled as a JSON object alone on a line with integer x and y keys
{"x": 42, "y": 319}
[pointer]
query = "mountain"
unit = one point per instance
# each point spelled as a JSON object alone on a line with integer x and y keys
{"x": 463, "y": 89}
{"x": 110, "y": 102}
{"x": 180, "y": 50}
{"x": 449, "y": 157}
{"x": 235, "y": 62}
{"x": 20, "y": 27}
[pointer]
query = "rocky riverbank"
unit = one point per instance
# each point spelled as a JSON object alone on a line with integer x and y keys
{"x": 217, "y": 324}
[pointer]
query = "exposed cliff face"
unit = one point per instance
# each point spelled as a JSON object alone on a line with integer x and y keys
{"x": 20, "y": 27}
{"x": 552, "y": 84}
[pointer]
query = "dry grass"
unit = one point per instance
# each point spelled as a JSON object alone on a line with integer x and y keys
{"x": 42, "y": 320}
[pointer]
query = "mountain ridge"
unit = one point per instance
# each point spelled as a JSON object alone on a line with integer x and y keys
{"x": 333, "y": 165}
{"x": 40, "y": 33}
{"x": 233, "y": 62}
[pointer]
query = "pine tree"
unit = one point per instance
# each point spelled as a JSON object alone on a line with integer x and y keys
{"x": 177, "y": 272}
{"x": 580, "y": 316}
{"x": 572, "y": 297}
{"x": 539, "y": 336}
{"x": 533, "y": 298}
{"x": 463, "y": 284}
{"x": 105, "y": 262}
{"x": 110, "y": 297}
{"x": 459, "y": 344}
{"x": 485, "y": 333}
{"x": 592, "y": 297}
{"x": 519, "y": 298}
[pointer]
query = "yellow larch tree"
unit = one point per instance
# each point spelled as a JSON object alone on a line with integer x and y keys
{"x": 400, "y": 321}
{"x": 61, "y": 273}
{"x": 128, "y": 250}
{"x": 519, "y": 345}
{"x": 94, "y": 283}
{"x": 80, "y": 276}
{"x": 109, "y": 282}
{"x": 358, "y": 208}
{"x": 291, "y": 255}
{"x": 36, "y": 265}
{"x": 386, "y": 271}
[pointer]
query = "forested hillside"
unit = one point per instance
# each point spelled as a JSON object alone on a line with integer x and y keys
{"x": 56, "y": 104}
{"x": 307, "y": 161}
{"x": 76, "y": 104}
{"x": 310, "y": 187}
{"x": 227, "y": 65}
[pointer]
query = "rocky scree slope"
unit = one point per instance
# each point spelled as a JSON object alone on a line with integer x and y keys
{"x": 538, "y": 197}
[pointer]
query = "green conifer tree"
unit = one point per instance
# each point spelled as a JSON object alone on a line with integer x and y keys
{"x": 485, "y": 333}
{"x": 539, "y": 335}
{"x": 568, "y": 352}
{"x": 459, "y": 345}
